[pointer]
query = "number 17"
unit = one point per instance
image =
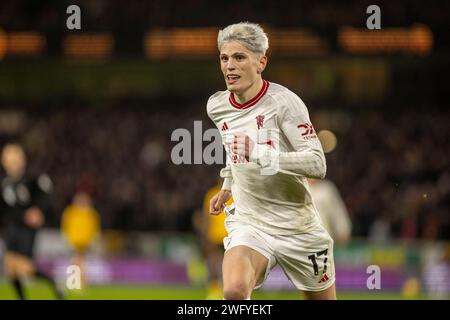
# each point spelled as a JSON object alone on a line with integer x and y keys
{"x": 313, "y": 256}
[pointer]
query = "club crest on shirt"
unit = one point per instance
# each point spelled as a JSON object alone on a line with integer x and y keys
{"x": 260, "y": 121}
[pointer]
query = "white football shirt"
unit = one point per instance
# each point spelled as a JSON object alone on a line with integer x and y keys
{"x": 332, "y": 209}
{"x": 270, "y": 191}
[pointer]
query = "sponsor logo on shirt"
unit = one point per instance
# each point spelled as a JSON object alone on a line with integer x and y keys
{"x": 307, "y": 131}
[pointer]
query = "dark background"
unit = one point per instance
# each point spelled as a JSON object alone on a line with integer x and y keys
{"x": 102, "y": 121}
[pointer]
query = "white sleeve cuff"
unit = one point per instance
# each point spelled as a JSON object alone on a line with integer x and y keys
{"x": 225, "y": 172}
{"x": 227, "y": 184}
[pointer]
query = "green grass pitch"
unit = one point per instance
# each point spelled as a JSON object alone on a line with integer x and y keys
{"x": 40, "y": 291}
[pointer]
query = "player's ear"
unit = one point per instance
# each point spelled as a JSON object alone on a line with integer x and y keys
{"x": 262, "y": 64}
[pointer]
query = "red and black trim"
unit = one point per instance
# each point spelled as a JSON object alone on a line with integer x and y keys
{"x": 252, "y": 101}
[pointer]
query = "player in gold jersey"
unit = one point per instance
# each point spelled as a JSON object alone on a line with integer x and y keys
{"x": 212, "y": 232}
{"x": 80, "y": 225}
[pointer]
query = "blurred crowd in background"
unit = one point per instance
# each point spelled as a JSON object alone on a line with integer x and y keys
{"x": 388, "y": 110}
{"x": 122, "y": 159}
{"x": 391, "y": 169}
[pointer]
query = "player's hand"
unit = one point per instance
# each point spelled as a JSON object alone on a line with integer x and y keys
{"x": 242, "y": 145}
{"x": 34, "y": 217}
{"x": 219, "y": 201}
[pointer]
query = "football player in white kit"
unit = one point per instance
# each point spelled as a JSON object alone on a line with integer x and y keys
{"x": 272, "y": 149}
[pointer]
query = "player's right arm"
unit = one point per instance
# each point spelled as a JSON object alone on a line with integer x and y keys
{"x": 227, "y": 177}
{"x": 219, "y": 201}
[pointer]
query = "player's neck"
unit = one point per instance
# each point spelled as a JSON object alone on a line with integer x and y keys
{"x": 250, "y": 93}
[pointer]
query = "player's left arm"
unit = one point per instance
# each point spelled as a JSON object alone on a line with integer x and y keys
{"x": 308, "y": 158}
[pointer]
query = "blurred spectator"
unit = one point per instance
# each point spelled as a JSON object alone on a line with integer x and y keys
{"x": 24, "y": 206}
{"x": 332, "y": 210}
{"x": 436, "y": 271}
{"x": 80, "y": 225}
{"x": 211, "y": 232}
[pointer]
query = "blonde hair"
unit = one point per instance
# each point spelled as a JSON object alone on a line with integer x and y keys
{"x": 250, "y": 35}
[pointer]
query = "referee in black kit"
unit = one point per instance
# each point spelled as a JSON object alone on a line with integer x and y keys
{"x": 24, "y": 202}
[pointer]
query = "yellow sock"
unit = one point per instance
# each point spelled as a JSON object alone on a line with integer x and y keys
{"x": 214, "y": 291}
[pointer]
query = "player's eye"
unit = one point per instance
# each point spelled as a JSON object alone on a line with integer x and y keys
{"x": 240, "y": 58}
{"x": 224, "y": 58}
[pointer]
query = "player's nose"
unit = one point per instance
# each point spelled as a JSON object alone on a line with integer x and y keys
{"x": 230, "y": 65}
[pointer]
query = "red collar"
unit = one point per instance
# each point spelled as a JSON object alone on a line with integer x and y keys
{"x": 252, "y": 101}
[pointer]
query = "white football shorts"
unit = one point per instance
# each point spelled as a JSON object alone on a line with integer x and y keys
{"x": 306, "y": 258}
